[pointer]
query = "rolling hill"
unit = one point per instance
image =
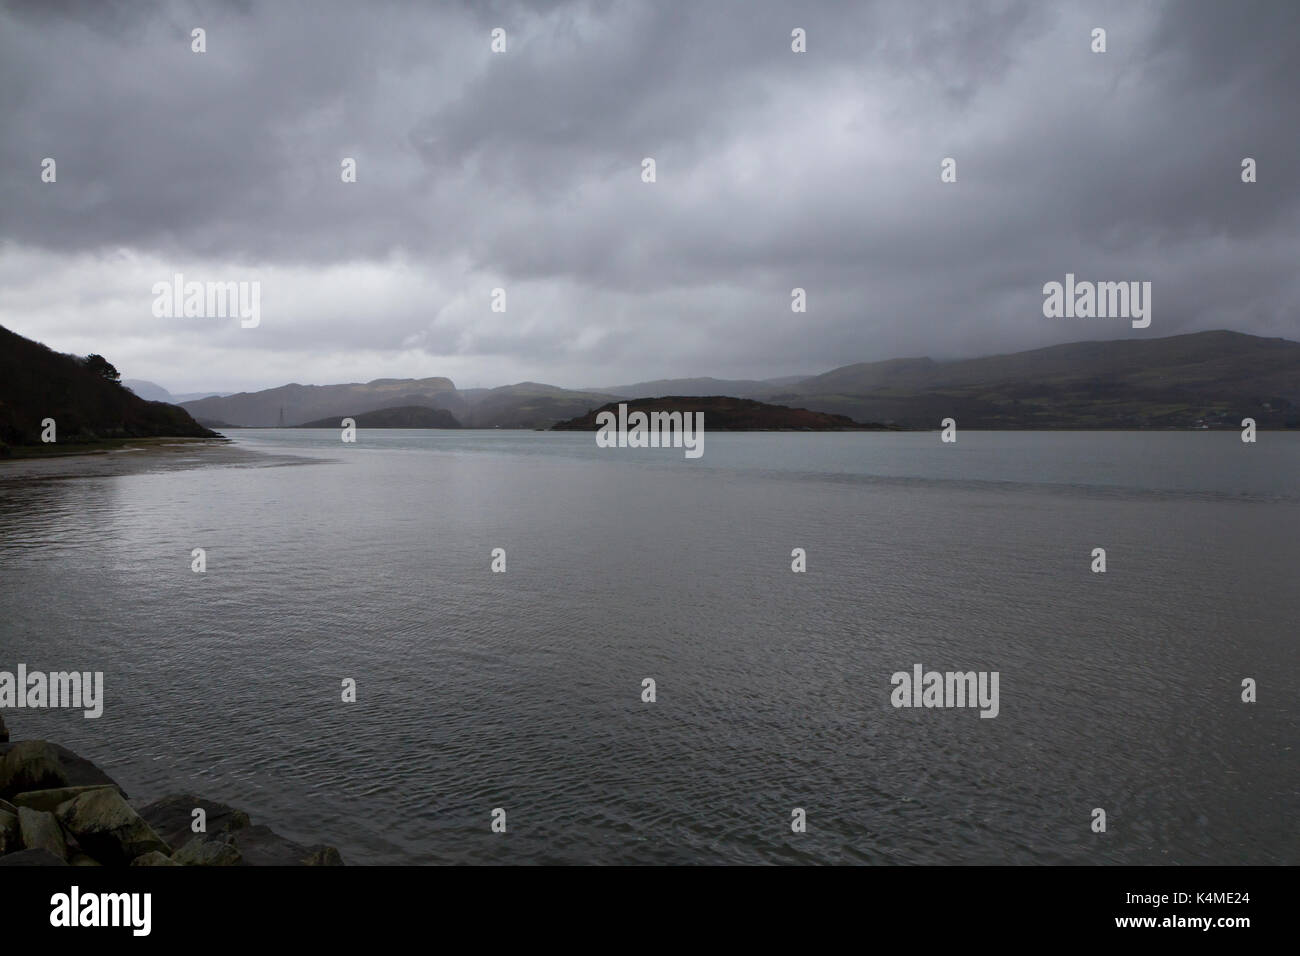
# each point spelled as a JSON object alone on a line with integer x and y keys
{"x": 526, "y": 405}
{"x": 293, "y": 403}
{"x": 1216, "y": 378}
{"x": 407, "y": 416}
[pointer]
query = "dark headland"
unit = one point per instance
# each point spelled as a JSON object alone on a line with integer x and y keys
{"x": 83, "y": 396}
{"x": 723, "y": 413}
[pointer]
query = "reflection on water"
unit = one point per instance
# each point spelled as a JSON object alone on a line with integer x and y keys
{"x": 522, "y": 690}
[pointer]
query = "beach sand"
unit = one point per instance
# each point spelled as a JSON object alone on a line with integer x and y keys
{"x": 139, "y": 456}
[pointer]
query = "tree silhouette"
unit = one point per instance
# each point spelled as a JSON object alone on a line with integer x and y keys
{"x": 100, "y": 365}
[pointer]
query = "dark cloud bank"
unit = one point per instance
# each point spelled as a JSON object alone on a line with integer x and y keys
{"x": 521, "y": 170}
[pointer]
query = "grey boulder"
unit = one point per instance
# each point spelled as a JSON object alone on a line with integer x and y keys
{"x": 262, "y": 846}
{"x": 201, "y": 852}
{"x": 107, "y": 828}
{"x": 50, "y": 799}
{"x": 40, "y": 831}
{"x": 40, "y": 765}
{"x": 172, "y": 818}
{"x": 10, "y": 839}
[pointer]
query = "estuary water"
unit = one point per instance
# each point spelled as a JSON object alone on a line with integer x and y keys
{"x": 523, "y": 690}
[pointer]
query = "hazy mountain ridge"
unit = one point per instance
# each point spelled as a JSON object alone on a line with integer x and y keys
{"x": 290, "y": 404}
{"x": 153, "y": 392}
{"x": 1213, "y": 378}
{"x": 525, "y": 405}
{"x": 1216, "y": 378}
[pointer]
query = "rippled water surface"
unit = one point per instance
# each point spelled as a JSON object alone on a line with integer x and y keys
{"x": 523, "y": 690}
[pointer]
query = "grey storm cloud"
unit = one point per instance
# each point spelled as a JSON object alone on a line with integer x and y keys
{"x": 522, "y": 170}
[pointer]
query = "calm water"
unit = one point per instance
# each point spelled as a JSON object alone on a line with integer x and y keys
{"x": 522, "y": 690}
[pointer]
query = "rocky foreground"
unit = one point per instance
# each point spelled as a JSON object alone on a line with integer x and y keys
{"x": 59, "y": 809}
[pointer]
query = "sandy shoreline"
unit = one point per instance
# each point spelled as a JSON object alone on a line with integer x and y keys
{"x": 140, "y": 456}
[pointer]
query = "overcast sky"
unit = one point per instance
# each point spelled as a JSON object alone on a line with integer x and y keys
{"x": 522, "y": 170}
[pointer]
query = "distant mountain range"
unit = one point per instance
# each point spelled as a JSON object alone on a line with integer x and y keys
{"x": 1206, "y": 379}
{"x": 526, "y": 405}
{"x": 293, "y": 405}
{"x": 1209, "y": 379}
{"x": 153, "y": 392}
{"x": 81, "y": 395}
